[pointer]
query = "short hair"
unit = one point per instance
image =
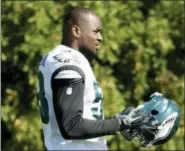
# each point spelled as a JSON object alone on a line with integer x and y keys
{"x": 74, "y": 16}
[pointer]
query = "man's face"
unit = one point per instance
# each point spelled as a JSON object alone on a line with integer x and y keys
{"x": 91, "y": 35}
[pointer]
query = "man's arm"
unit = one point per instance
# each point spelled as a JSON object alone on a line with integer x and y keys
{"x": 68, "y": 106}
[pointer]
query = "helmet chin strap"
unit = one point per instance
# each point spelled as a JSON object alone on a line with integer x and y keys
{"x": 141, "y": 141}
{"x": 145, "y": 136}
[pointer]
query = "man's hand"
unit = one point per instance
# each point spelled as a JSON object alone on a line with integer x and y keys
{"x": 130, "y": 118}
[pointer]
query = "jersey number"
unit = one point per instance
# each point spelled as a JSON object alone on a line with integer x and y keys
{"x": 42, "y": 101}
{"x": 97, "y": 109}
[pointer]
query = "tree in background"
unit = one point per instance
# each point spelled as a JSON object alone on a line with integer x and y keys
{"x": 142, "y": 52}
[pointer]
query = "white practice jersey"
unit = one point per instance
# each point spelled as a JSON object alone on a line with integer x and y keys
{"x": 64, "y": 57}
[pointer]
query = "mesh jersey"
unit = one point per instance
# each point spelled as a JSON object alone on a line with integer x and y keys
{"x": 62, "y": 56}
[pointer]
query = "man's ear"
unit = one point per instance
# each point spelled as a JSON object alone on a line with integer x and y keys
{"x": 76, "y": 31}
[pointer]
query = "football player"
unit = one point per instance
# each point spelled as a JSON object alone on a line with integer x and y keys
{"x": 70, "y": 99}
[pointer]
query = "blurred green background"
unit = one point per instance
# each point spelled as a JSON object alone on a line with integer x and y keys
{"x": 142, "y": 52}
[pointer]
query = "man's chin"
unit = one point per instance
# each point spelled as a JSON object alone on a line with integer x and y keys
{"x": 95, "y": 51}
{"x": 89, "y": 54}
{"x": 97, "y": 47}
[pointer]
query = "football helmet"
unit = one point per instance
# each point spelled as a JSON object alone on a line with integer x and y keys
{"x": 161, "y": 122}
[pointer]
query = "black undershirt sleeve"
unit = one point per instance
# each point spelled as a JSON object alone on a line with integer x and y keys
{"x": 68, "y": 107}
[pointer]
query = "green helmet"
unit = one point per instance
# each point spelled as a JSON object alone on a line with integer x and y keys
{"x": 163, "y": 120}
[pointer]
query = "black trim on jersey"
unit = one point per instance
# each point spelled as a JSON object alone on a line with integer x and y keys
{"x": 69, "y": 110}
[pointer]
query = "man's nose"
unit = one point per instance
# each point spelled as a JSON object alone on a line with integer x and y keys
{"x": 100, "y": 38}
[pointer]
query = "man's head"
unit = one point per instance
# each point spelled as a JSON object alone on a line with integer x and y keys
{"x": 82, "y": 30}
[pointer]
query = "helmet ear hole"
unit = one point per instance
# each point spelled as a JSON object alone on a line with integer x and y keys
{"x": 154, "y": 112}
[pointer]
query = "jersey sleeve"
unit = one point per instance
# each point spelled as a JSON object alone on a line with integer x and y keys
{"x": 68, "y": 106}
